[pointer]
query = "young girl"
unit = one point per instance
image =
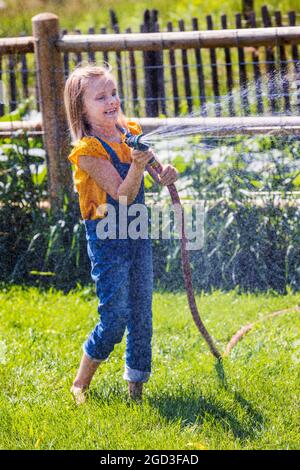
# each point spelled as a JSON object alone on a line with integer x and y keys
{"x": 106, "y": 169}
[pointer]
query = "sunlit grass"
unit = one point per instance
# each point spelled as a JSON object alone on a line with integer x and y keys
{"x": 190, "y": 403}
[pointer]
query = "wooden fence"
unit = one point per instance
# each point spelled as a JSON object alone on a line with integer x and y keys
{"x": 172, "y": 82}
{"x": 219, "y": 74}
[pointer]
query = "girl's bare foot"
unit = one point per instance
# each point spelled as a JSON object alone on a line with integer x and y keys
{"x": 83, "y": 378}
{"x": 79, "y": 394}
{"x": 135, "y": 390}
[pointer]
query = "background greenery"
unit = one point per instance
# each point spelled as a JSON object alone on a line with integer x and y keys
{"x": 16, "y": 17}
{"x": 251, "y": 240}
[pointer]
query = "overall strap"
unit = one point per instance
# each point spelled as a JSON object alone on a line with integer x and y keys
{"x": 110, "y": 151}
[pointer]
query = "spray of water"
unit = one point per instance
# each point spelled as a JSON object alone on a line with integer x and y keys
{"x": 216, "y": 137}
{"x": 213, "y": 127}
{"x": 270, "y": 90}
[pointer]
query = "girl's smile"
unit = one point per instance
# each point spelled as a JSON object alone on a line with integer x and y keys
{"x": 101, "y": 102}
{"x": 113, "y": 111}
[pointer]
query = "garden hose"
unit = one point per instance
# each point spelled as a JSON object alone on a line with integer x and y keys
{"x": 137, "y": 142}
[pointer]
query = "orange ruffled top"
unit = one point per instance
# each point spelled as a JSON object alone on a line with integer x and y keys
{"x": 91, "y": 196}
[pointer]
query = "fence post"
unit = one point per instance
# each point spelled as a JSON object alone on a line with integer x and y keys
{"x": 50, "y": 78}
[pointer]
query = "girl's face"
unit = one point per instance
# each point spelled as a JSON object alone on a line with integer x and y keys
{"x": 101, "y": 101}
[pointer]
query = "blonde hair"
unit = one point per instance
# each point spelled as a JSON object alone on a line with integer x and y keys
{"x": 75, "y": 87}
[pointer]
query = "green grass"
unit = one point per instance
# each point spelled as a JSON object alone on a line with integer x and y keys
{"x": 252, "y": 403}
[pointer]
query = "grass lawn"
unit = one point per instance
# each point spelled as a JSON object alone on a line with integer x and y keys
{"x": 250, "y": 403}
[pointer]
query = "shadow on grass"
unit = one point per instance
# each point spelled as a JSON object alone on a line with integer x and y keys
{"x": 221, "y": 373}
{"x": 193, "y": 408}
{"x": 236, "y": 414}
{"x": 108, "y": 394}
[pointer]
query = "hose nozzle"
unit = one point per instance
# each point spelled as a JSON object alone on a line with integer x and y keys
{"x": 135, "y": 142}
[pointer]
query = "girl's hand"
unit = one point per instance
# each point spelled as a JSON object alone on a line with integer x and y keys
{"x": 140, "y": 159}
{"x": 168, "y": 176}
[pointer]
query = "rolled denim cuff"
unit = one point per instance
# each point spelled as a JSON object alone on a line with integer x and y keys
{"x": 90, "y": 357}
{"x": 134, "y": 375}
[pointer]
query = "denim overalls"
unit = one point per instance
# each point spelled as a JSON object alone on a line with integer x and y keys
{"x": 123, "y": 274}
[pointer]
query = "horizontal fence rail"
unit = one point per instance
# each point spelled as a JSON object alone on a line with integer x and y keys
{"x": 16, "y": 45}
{"x": 277, "y": 125}
{"x": 8, "y": 128}
{"x": 183, "y": 40}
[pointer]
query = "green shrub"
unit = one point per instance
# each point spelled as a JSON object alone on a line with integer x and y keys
{"x": 250, "y": 242}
